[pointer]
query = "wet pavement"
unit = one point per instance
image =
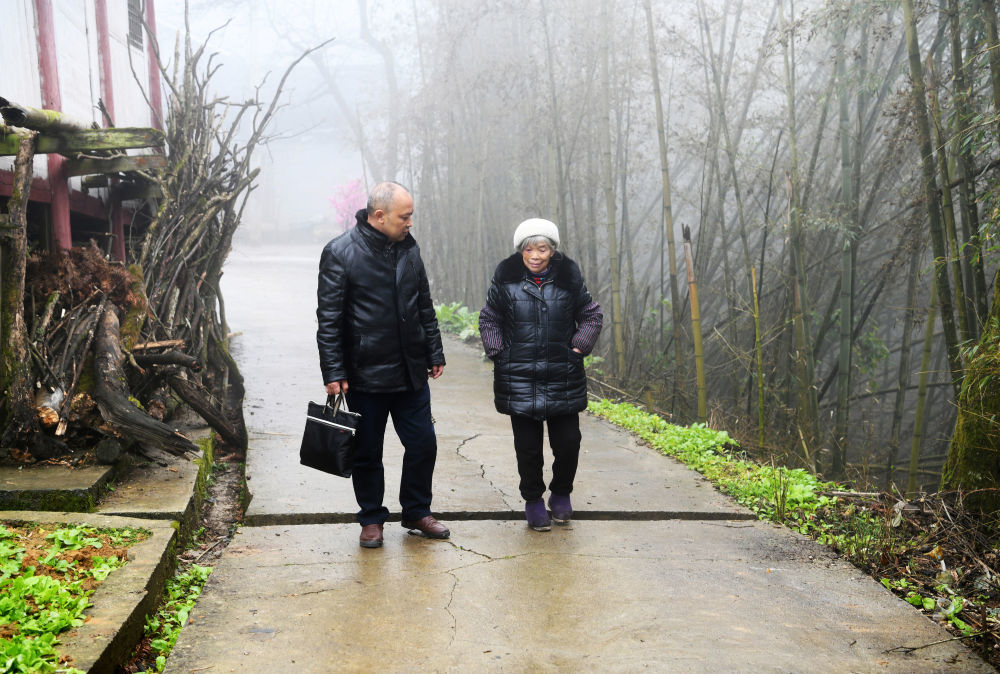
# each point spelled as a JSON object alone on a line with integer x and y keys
{"x": 658, "y": 570}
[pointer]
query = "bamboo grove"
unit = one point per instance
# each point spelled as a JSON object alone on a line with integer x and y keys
{"x": 831, "y": 166}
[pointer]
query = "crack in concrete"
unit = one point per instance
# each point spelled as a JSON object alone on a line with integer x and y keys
{"x": 462, "y": 549}
{"x": 482, "y": 470}
{"x": 454, "y": 618}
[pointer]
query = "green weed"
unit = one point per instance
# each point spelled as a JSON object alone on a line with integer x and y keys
{"x": 39, "y": 606}
{"x": 180, "y": 592}
{"x": 457, "y": 319}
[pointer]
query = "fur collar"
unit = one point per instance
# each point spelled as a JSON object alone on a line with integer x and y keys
{"x": 563, "y": 271}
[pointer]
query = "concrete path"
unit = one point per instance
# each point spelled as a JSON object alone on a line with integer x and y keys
{"x": 657, "y": 572}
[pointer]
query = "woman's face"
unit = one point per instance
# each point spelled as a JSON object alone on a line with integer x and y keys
{"x": 536, "y": 257}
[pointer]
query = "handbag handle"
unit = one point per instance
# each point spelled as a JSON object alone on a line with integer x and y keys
{"x": 338, "y": 400}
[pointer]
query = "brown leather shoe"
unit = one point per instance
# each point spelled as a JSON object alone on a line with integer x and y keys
{"x": 428, "y": 526}
{"x": 371, "y": 536}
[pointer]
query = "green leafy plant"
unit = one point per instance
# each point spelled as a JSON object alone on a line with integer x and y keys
{"x": 181, "y": 592}
{"x": 457, "y": 319}
{"x": 37, "y": 606}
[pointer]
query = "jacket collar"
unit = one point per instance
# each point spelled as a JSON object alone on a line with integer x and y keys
{"x": 512, "y": 269}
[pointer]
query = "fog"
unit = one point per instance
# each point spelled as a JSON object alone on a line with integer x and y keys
{"x": 790, "y": 147}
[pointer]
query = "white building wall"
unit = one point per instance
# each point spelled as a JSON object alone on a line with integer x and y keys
{"x": 19, "y": 78}
{"x": 131, "y": 108}
{"x": 75, "y": 27}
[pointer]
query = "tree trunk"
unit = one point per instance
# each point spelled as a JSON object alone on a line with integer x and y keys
{"x": 699, "y": 354}
{"x": 609, "y": 201}
{"x": 931, "y": 198}
{"x": 846, "y": 269}
{"x": 989, "y": 13}
{"x": 971, "y": 253}
{"x": 948, "y": 209}
{"x": 668, "y": 217}
{"x": 15, "y": 361}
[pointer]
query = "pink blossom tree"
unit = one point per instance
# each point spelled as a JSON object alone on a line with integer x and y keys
{"x": 347, "y": 200}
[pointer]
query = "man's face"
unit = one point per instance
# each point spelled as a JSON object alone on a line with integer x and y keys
{"x": 395, "y": 223}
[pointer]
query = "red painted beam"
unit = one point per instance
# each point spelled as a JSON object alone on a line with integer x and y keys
{"x": 104, "y": 56}
{"x": 48, "y": 67}
{"x": 155, "y": 90}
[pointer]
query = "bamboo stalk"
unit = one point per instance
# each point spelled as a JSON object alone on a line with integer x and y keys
{"x": 918, "y": 421}
{"x": 699, "y": 354}
{"x": 758, "y": 352}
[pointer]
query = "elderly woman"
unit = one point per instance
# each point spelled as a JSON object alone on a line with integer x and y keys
{"x": 538, "y": 323}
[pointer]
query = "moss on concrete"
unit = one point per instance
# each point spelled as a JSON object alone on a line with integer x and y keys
{"x": 55, "y": 500}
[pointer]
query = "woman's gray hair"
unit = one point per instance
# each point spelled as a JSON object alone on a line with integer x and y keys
{"x": 535, "y": 240}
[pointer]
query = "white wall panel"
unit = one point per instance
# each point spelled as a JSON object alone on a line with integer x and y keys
{"x": 130, "y": 104}
{"x": 79, "y": 81}
{"x": 19, "y": 78}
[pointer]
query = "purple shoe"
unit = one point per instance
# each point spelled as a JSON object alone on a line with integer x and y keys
{"x": 562, "y": 510}
{"x": 537, "y": 515}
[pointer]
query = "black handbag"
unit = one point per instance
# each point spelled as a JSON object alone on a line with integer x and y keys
{"x": 328, "y": 441}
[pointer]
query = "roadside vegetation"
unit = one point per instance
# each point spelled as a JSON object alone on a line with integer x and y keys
{"x": 47, "y": 573}
{"x": 930, "y": 551}
{"x": 222, "y": 509}
{"x": 163, "y": 628}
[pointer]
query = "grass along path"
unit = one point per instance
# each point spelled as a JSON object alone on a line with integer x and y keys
{"x": 940, "y": 558}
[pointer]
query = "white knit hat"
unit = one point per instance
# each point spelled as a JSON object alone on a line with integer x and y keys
{"x": 535, "y": 227}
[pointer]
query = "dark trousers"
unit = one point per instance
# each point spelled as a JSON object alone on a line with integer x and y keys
{"x": 411, "y": 417}
{"x": 564, "y": 438}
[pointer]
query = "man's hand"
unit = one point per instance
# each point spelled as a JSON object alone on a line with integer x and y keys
{"x": 335, "y": 387}
{"x": 436, "y": 371}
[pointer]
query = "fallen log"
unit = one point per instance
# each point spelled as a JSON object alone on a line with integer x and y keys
{"x": 113, "y": 398}
{"x": 201, "y": 401}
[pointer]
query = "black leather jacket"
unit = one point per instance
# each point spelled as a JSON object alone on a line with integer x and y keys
{"x": 377, "y": 327}
{"x": 538, "y": 374}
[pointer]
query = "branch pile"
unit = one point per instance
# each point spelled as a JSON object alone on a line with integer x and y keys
{"x": 113, "y": 349}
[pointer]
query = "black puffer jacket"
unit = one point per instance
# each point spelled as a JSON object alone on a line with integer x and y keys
{"x": 377, "y": 327}
{"x": 537, "y": 374}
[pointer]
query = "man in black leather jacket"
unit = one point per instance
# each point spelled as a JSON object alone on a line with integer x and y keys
{"x": 378, "y": 342}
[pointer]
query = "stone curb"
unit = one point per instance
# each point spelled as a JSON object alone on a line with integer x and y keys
{"x": 29, "y": 488}
{"x": 114, "y": 623}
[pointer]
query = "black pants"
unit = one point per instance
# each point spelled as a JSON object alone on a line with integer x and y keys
{"x": 564, "y": 438}
{"x": 411, "y": 417}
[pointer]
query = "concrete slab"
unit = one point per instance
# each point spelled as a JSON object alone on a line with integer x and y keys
{"x": 56, "y": 488}
{"x": 476, "y": 473}
{"x": 115, "y": 622}
{"x": 596, "y": 596}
